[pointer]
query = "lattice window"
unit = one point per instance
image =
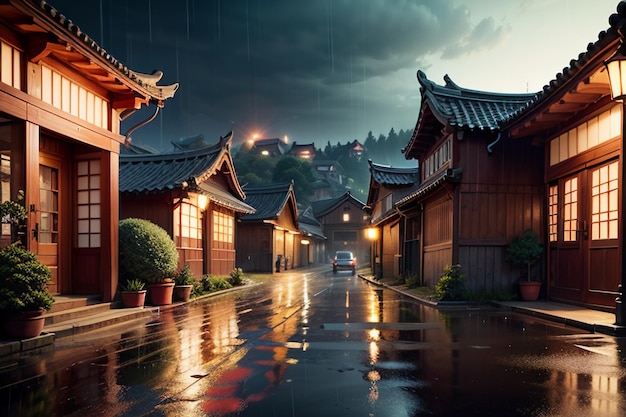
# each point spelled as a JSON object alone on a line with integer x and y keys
{"x": 553, "y": 209}
{"x": 223, "y": 227}
{"x": 570, "y": 209}
{"x": 605, "y": 202}
{"x": 88, "y": 204}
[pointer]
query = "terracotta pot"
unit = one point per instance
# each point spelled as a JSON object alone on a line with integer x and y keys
{"x": 529, "y": 290}
{"x": 24, "y": 325}
{"x": 134, "y": 298}
{"x": 161, "y": 294}
{"x": 182, "y": 292}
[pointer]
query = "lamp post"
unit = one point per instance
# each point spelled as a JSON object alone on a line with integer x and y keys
{"x": 372, "y": 235}
{"x": 616, "y": 70}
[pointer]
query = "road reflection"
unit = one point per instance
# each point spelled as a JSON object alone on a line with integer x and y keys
{"x": 310, "y": 345}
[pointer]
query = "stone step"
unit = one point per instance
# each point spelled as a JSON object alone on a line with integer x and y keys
{"x": 68, "y": 302}
{"x": 68, "y": 314}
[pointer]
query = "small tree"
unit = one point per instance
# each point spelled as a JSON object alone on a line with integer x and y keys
{"x": 524, "y": 250}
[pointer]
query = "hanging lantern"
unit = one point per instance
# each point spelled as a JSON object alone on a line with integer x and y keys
{"x": 616, "y": 69}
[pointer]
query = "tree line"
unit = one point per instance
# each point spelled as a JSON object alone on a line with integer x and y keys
{"x": 254, "y": 169}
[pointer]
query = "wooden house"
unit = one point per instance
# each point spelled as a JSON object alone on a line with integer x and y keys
{"x": 578, "y": 124}
{"x": 329, "y": 179}
{"x": 388, "y": 185}
{"x": 193, "y": 193}
{"x": 343, "y": 222}
{"x": 303, "y": 151}
{"x": 62, "y": 97}
{"x": 476, "y": 191}
{"x": 273, "y": 147}
{"x": 312, "y": 239}
{"x": 267, "y": 240}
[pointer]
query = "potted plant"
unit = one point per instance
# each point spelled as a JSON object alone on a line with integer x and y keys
{"x": 148, "y": 253}
{"x": 134, "y": 293}
{"x": 12, "y": 212}
{"x": 183, "y": 280}
{"x": 23, "y": 295}
{"x": 524, "y": 250}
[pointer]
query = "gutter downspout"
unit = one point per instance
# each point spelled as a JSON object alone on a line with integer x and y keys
{"x": 127, "y": 138}
{"x": 492, "y": 144}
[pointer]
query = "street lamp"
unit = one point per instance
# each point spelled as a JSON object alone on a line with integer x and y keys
{"x": 616, "y": 69}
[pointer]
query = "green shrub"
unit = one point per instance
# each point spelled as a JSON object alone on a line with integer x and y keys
{"x": 212, "y": 283}
{"x": 134, "y": 285}
{"x": 146, "y": 251}
{"x": 450, "y": 286}
{"x": 23, "y": 280}
{"x": 184, "y": 276}
{"x": 524, "y": 250}
{"x": 236, "y": 277}
{"x": 412, "y": 281}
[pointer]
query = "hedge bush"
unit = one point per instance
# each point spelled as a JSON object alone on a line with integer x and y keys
{"x": 146, "y": 251}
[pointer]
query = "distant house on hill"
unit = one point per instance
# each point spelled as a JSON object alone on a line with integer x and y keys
{"x": 273, "y": 147}
{"x": 192, "y": 192}
{"x": 329, "y": 179}
{"x": 388, "y": 185}
{"x": 304, "y": 151}
{"x": 356, "y": 150}
{"x": 269, "y": 236}
{"x": 343, "y": 222}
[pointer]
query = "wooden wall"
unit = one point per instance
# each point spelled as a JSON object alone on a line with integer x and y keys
{"x": 254, "y": 244}
{"x": 501, "y": 196}
{"x": 438, "y": 216}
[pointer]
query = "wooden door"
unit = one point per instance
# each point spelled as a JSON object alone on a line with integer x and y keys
{"x": 47, "y": 225}
{"x": 584, "y": 247}
{"x": 567, "y": 235}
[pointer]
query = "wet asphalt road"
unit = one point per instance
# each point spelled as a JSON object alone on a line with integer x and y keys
{"x": 317, "y": 344}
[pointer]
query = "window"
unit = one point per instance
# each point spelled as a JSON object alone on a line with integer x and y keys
{"x": 604, "y": 202}
{"x": 187, "y": 226}
{"x": 553, "y": 207}
{"x": 5, "y": 183}
{"x": 570, "y": 210}
{"x": 437, "y": 159}
{"x": 49, "y": 204}
{"x": 346, "y": 217}
{"x": 64, "y": 94}
{"x": 11, "y": 68}
{"x": 599, "y": 129}
{"x": 88, "y": 203}
{"x": 223, "y": 227}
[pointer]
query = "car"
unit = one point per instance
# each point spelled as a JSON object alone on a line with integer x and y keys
{"x": 344, "y": 260}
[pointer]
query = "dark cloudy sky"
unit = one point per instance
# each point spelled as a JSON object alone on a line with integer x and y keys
{"x": 329, "y": 70}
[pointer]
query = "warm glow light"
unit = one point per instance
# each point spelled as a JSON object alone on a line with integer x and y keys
{"x": 203, "y": 201}
{"x": 346, "y": 217}
{"x": 265, "y": 153}
{"x": 616, "y": 68}
{"x": 286, "y": 139}
{"x": 372, "y": 233}
{"x": 305, "y": 241}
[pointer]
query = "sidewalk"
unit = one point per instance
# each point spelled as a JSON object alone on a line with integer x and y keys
{"x": 593, "y": 321}
{"x": 77, "y": 315}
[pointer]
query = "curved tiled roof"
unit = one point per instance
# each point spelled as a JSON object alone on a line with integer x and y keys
{"x": 67, "y": 30}
{"x": 268, "y": 200}
{"x": 167, "y": 171}
{"x": 388, "y": 175}
{"x": 323, "y": 207}
{"x": 469, "y": 109}
{"x": 460, "y": 108}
